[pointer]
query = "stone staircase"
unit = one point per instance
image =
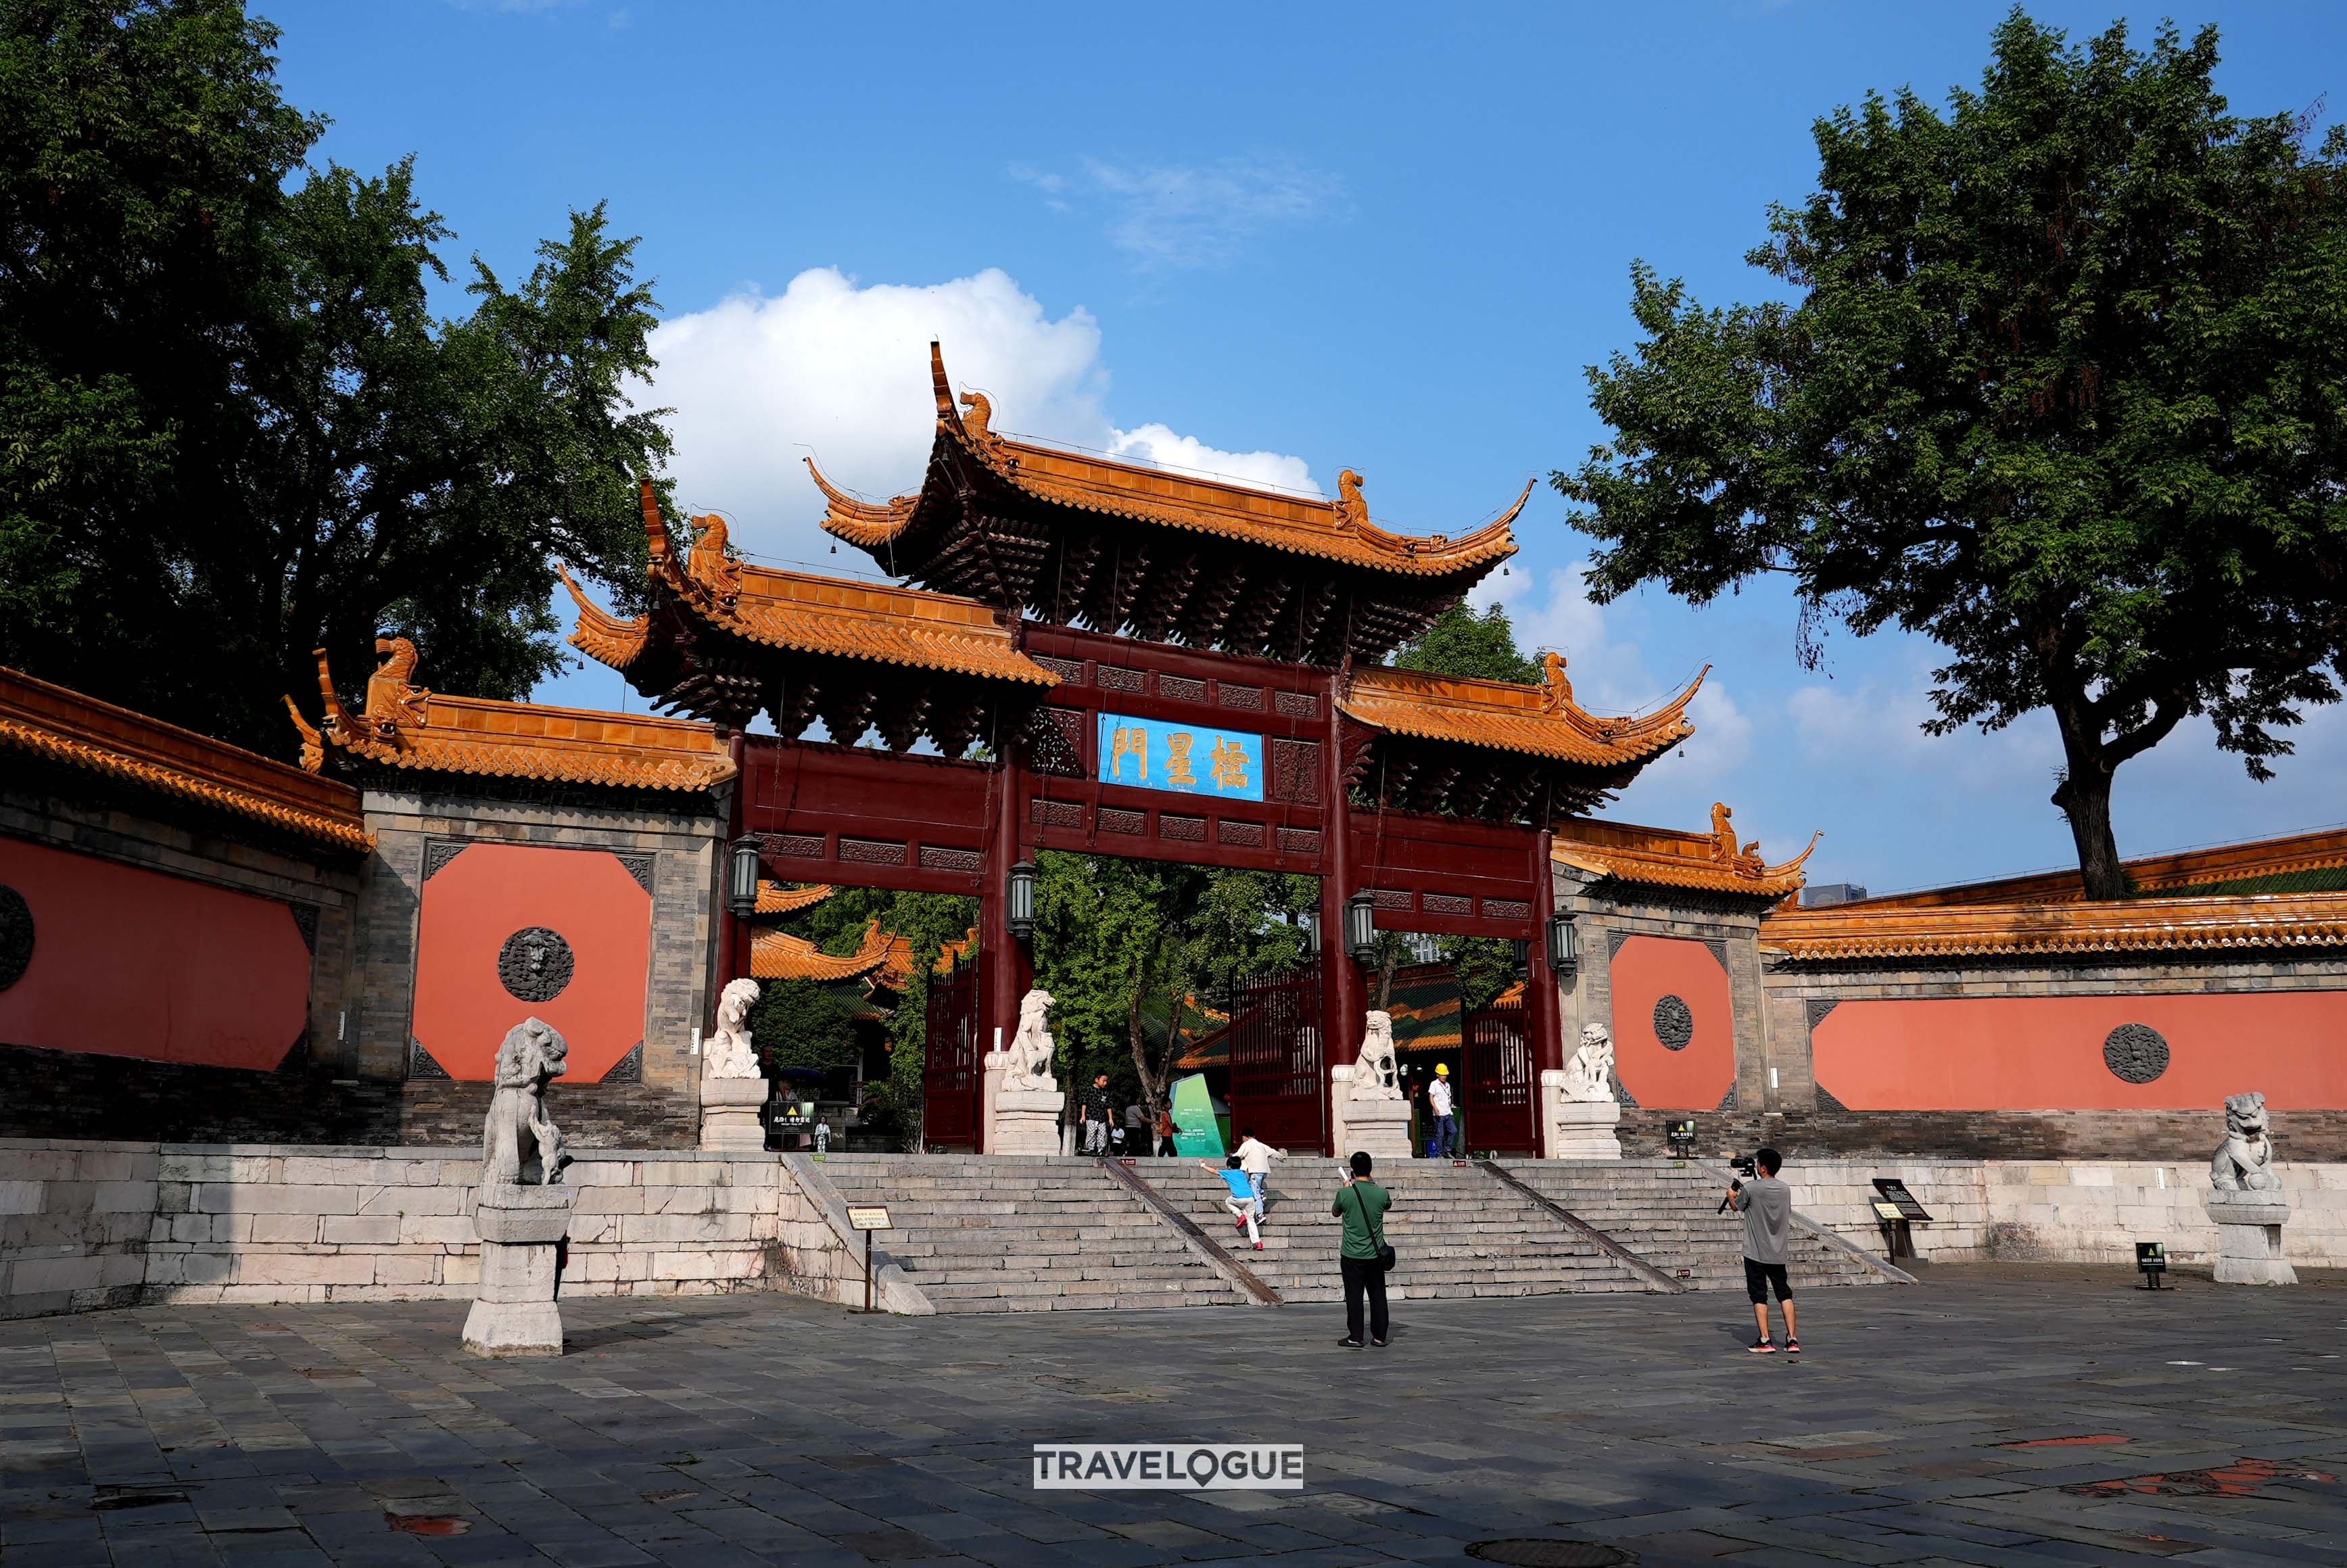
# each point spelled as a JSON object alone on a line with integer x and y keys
{"x": 1026, "y": 1233}
{"x": 1458, "y": 1231}
{"x": 1664, "y": 1212}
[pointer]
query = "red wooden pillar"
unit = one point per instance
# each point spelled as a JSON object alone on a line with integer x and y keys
{"x": 1006, "y": 971}
{"x": 1340, "y": 986}
{"x": 1543, "y": 1014}
{"x": 732, "y": 939}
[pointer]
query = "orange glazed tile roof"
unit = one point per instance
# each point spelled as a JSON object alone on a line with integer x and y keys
{"x": 779, "y": 955}
{"x": 2298, "y": 851}
{"x": 66, "y": 728}
{"x": 1663, "y": 857}
{"x": 1537, "y": 721}
{"x": 774, "y": 899}
{"x": 1338, "y": 531}
{"x": 404, "y": 726}
{"x": 809, "y": 614}
{"x": 1853, "y": 931}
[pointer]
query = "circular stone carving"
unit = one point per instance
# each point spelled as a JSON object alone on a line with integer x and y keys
{"x": 1674, "y": 1023}
{"x": 534, "y": 964}
{"x": 2136, "y": 1052}
{"x": 15, "y": 935}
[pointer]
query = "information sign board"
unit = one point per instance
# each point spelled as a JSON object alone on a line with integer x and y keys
{"x": 868, "y": 1217}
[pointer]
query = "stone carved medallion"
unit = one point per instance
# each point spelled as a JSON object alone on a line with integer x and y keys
{"x": 15, "y": 935}
{"x": 535, "y": 964}
{"x": 2135, "y": 1052}
{"x": 1674, "y": 1023}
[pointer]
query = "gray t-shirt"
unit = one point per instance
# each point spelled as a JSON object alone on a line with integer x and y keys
{"x": 1767, "y": 1205}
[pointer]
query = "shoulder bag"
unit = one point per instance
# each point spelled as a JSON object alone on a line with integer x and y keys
{"x": 1377, "y": 1232}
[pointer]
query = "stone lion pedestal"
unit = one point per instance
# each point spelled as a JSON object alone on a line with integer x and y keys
{"x": 1578, "y": 1129}
{"x": 2248, "y": 1237}
{"x": 1377, "y": 1128}
{"x": 729, "y": 1112}
{"x": 1019, "y": 1121}
{"x": 521, "y": 1230}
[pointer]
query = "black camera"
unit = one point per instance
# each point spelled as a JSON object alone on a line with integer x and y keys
{"x": 1746, "y": 1165}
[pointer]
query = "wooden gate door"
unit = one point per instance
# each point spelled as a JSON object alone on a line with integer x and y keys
{"x": 1275, "y": 1057}
{"x": 950, "y": 1078}
{"x": 1499, "y": 1097}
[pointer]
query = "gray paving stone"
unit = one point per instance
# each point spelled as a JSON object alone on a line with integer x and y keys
{"x": 742, "y": 1430}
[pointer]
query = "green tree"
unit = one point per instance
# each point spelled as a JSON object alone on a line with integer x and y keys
{"x": 1460, "y": 643}
{"x": 800, "y": 1024}
{"x": 2064, "y": 388}
{"x": 927, "y": 921}
{"x": 1121, "y": 944}
{"x": 231, "y": 430}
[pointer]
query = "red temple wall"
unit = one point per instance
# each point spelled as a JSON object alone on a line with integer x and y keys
{"x": 475, "y": 902}
{"x": 132, "y": 962}
{"x": 1698, "y": 1076}
{"x": 2045, "y": 1053}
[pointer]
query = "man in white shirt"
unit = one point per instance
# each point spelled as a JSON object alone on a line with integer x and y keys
{"x": 1444, "y": 1142}
{"x": 1255, "y": 1158}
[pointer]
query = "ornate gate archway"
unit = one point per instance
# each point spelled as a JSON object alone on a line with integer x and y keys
{"x": 1158, "y": 665}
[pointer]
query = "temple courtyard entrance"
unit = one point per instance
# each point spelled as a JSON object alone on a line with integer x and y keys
{"x": 1999, "y": 1414}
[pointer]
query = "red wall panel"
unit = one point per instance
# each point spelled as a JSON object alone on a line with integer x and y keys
{"x": 2045, "y": 1053}
{"x": 486, "y": 893}
{"x": 1698, "y": 1076}
{"x": 132, "y": 962}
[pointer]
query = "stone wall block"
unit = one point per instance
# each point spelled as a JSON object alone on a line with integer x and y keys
{"x": 350, "y": 1230}
{"x": 304, "y": 1268}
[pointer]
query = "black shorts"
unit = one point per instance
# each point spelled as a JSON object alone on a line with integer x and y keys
{"x": 1758, "y": 1276}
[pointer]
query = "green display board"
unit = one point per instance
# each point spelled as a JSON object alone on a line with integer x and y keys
{"x": 1195, "y": 1129}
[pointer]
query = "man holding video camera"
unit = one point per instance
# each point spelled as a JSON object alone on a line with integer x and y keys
{"x": 1766, "y": 1205}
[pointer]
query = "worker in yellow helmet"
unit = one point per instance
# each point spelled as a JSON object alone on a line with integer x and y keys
{"x": 1444, "y": 1142}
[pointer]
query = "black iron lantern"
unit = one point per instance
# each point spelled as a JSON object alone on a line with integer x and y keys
{"x": 1361, "y": 928}
{"x": 1311, "y": 924}
{"x": 741, "y": 878}
{"x": 1563, "y": 944}
{"x": 1521, "y": 951}
{"x": 1021, "y": 891}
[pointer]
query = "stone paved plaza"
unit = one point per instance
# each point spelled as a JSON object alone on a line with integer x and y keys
{"x": 1936, "y": 1424}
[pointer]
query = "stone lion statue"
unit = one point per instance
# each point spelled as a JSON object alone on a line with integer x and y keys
{"x": 1589, "y": 1075}
{"x": 1030, "y": 1048}
{"x": 2244, "y": 1161}
{"x": 1376, "y": 1075}
{"x": 519, "y": 1147}
{"x": 729, "y": 1053}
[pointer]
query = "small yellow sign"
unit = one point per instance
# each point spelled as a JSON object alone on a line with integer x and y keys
{"x": 868, "y": 1217}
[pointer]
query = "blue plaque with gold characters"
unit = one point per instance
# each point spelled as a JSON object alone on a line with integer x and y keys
{"x": 1188, "y": 759}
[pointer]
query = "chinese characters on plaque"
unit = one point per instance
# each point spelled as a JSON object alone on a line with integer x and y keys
{"x": 1191, "y": 758}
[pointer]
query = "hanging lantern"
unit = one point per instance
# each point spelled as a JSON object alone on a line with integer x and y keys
{"x": 1021, "y": 892}
{"x": 1521, "y": 952}
{"x": 741, "y": 876}
{"x": 1563, "y": 944}
{"x": 1361, "y": 928}
{"x": 1311, "y": 924}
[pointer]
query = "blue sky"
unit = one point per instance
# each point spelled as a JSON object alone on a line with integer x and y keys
{"x": 1270, "y": 242}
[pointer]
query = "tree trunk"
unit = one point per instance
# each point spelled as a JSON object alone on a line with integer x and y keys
{"x": 2084, "y": 797}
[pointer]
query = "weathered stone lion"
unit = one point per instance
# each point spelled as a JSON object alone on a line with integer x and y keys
{"x": 2244, "y": 1161}
{"x": 519, "y": 1147}
{"x": 730, "y": 1053}
{"x": 1031, "y": 1047}
{"x": 1589, "y": 1076}
{"x": 1375, "y": 1073}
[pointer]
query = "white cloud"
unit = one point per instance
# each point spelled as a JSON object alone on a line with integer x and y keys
{"x": 1171, "y": 217}
{"x": 1157, "y": 445}
{"x": 841, "y": 373}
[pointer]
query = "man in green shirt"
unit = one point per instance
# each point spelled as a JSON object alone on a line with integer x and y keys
{"x": 1361, "y": 1203}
